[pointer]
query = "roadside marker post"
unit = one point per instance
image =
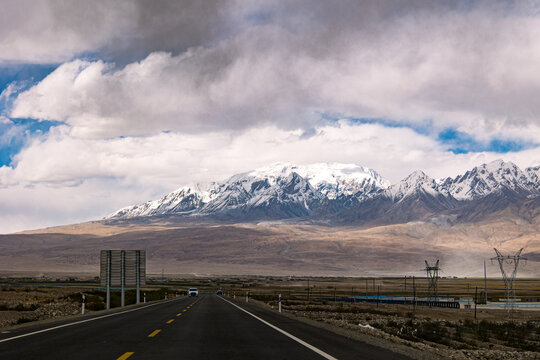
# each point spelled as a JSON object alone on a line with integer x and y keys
{"x": 82, "y": 309}
{"x": 144, "y": 298}
{"x": 279, "y": 303}
{"x": 247, "y": 296}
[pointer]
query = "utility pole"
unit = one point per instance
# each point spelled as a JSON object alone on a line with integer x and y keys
{"x": 414, "y": 294}
{"x": 433, "y": 278}
{"x": 366, "y": 289}
{"x": 485, "y": 283}
{"x": 509, "y": 279}
{"x": 475, "y": 301}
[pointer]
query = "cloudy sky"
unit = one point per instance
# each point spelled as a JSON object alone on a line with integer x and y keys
{"x": 106, "y": 104}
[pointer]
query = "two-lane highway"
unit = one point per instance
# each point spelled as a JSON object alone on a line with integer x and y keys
{"x": 206, "y": 327}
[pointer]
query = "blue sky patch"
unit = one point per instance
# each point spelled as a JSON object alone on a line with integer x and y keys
{"x": 460, "y": 142}
{"x": 15, "y": 135}
{"x": 455, "y": 141}
{"x": 423, "y": 128}
{"x": 32, "y": 73}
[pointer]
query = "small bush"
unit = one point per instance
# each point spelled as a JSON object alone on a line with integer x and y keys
{"x": 95, "y": 306}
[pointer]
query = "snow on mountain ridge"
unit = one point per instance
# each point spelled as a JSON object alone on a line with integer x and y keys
{"x": 487, "y": 178}
{"x": 332, "y": 179}
{"x": 258, "y": 187}
{"x": 283, "y": 189}
{"x": 416, "y": 181}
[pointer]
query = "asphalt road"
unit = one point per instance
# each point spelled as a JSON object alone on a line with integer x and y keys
{"x": 207, "y": 327}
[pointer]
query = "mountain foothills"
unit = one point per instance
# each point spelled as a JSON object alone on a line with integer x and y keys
{"x": 350, "y": 194}
{"x": 320, "y": 219}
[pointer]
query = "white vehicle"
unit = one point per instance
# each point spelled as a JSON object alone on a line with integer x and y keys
{"x": 193, "y": 292}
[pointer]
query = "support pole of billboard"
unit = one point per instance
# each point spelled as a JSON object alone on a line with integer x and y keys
{"x": 108, "y": 276}
{"x": 123, "y": 277}
{"x": 138, "y": 275}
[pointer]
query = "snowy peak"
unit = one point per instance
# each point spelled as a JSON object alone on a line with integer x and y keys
{"x": 486, "y": 179}
{"x": 331, "y": 179}
{"x": 416, "y": 182}
{"x": 183, "y": 200}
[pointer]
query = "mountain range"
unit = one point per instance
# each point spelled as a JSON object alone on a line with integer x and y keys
{"x": 319, "y": 219}
{"x": 350, "y": 194}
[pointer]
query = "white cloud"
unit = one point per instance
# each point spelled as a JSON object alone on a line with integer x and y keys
{"x": 458, "y": 69}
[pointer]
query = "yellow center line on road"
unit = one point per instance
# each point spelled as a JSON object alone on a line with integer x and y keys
{"x": 154, "y": 333}
{"x": 184, "y": 310}
{"x": 179, "y": 314}
{"x": 170, "y": 321}
{"x": 125, "y": 356}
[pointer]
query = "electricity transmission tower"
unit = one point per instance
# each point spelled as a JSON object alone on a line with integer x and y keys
{"x": 433, "y": 278}
{"x": 509, "y": 278}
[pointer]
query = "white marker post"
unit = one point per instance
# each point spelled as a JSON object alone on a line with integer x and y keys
{"x": 234, "y": 295}
{"x": 279, "y": 303}
{"x": 144, "y": 298}
{"x": 82, "y": 309}
{"x": 247, "y": 296}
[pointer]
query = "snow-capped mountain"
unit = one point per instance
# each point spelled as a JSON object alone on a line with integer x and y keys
{"x": 184, "y": 200}
{"x": 488, "y": 178}
{"x": 276, "y": 190}
{"x": 345, "y": 193}
{"x": 416, "y": 182}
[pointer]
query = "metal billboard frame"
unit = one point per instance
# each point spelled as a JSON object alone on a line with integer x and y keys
{"x": 123, "y": 268}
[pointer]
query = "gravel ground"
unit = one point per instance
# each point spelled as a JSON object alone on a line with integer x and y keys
{"x": 20, "y": 305}
{"x": 369, "y": 325}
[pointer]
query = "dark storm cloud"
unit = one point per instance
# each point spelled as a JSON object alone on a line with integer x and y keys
{"x": 171, "y": 26}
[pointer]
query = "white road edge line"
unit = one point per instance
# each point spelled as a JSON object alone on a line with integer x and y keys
{"x": 82, "y": 321}
{"x": 309, "y": 346}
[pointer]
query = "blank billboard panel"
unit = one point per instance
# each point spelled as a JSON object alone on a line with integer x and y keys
{"x": 131, "y": 257}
